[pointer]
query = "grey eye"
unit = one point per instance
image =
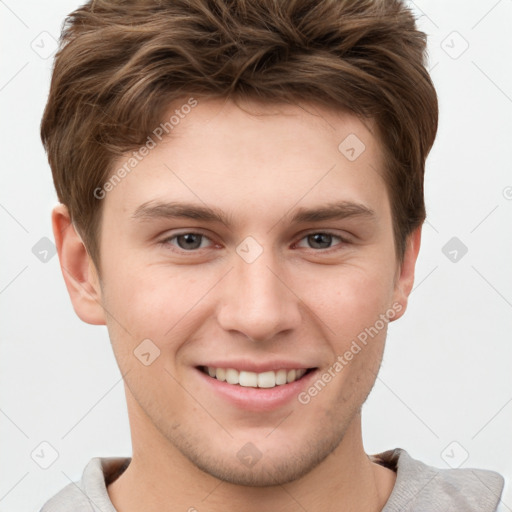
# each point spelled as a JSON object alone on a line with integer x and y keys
{"x": 320, "y": 240}
{"x": 189, "y": 241}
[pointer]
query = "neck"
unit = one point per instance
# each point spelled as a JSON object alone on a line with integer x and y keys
{"x": 346, "y": 480}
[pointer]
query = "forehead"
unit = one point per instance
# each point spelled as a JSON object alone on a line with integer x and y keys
{"x": 255, "y": 157}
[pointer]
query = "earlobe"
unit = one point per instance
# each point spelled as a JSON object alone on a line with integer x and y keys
{"x": 404, "y": 280}
{"x": 77, "y": 268}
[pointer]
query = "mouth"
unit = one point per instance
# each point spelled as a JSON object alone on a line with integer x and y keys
{"x": 267, "y": 379}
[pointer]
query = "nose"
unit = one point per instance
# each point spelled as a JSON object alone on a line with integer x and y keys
{"x": 257, "y": 301}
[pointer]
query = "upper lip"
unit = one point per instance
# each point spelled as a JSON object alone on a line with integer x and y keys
{"x": 258, "y": 367}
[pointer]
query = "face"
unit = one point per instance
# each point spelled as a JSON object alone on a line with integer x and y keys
{"x": 250, "y": 246}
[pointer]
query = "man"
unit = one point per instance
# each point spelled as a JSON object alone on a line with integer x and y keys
{"x": 241, "y": 188}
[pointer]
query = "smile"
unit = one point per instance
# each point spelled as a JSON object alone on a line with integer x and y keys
{"x": 268, "y": 379}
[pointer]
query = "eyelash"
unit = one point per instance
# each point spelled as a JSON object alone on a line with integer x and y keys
{"x": 167, "y": 241}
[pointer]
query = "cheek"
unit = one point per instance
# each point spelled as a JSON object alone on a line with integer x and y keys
{"x": 348, "y": 299}
{"x": 153, "y": 303}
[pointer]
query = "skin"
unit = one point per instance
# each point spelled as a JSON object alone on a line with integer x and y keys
{"x": 297, "y": 301}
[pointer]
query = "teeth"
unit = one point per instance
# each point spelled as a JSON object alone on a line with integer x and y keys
{"x": 268, "y": 379}
{"x": 281, "y": 377}
{"x": 300, "y": 373}
{"x": 232, "y": 376}
{"x": 248, "y": 379}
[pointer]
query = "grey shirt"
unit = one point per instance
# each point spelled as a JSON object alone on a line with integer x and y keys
{"x": 418, "y": 487}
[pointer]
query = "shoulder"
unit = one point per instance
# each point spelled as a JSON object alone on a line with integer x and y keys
{"x": 420, "y": 487}
{"x": 69, "y": 498}
{"x": 90, "y": 493}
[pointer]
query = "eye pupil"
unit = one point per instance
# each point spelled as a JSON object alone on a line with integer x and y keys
{"x": 189, "y": 241}
{"x": 320, "y": 240}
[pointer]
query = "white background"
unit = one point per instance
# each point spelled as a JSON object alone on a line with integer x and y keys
{"x": 446, "y": 374}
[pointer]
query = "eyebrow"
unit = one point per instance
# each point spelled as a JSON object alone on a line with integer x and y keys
{"x": 173, "y": 210}
{"x": 333, "y": 211}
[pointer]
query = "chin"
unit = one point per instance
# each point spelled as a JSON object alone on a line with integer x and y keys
{"x": 277, "y": 464}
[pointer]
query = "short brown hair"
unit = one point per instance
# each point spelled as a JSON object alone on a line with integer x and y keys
{"x": 121, "y": 63}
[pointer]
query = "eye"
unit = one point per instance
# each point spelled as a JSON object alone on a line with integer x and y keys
{"x": 320, "y": 240}
{"x": 187, "y": 241}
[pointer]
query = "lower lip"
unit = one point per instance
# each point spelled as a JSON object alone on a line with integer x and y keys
{"x": 258, "y": 399}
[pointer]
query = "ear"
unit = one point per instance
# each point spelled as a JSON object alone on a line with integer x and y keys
{"x": 404, "y": 278}
{"x": 79, "y": 272}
